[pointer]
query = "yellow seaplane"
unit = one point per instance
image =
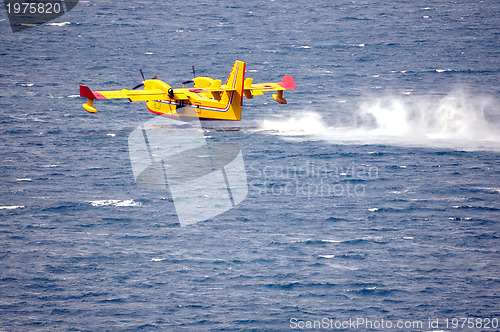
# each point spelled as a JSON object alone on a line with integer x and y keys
{"x": 209, "y": 99}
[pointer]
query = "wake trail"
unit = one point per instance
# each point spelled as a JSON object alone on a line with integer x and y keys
{"x": 458, "y": 120}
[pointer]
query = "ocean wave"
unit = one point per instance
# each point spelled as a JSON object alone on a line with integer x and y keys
{"x": 12, "y": 207}
{"x": 59, "y": 24}
{"x": 114, "y": 202}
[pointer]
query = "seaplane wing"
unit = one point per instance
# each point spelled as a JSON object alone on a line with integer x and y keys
{"x": 136, "y": 95}
{"x": 133, "y": 95}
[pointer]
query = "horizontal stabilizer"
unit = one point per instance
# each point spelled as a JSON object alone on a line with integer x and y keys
{"x": 287, "y": 83}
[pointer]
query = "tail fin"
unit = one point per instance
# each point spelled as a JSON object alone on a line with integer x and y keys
{"x": 235, "y": 98}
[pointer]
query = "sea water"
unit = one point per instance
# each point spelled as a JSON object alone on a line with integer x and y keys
{"x": 373, "y": 195}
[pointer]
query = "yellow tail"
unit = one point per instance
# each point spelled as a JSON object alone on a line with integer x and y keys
{"x": 234, "y": 98}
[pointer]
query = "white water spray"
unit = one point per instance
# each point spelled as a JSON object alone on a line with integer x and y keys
{"x": 458, "y": 121}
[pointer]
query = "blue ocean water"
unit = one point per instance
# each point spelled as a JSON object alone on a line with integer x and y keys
{"x": 373, "y": 195}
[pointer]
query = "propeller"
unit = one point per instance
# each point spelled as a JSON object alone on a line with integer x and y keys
{"x": 194, "y": 76}
{"x": 143, "y": 79}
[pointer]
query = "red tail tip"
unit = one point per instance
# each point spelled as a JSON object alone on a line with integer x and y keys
{"x": 288, "y": 82}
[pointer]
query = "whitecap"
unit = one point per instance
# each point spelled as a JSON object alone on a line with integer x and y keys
{"x": 327, "y": 256}
{"x": 104, "y": 202}
{"x": 59, "y": 24}
{"x": 157, "y": 259}
{"x": 342, "y": 267}
{"x": 114, "y": 202}
{"x": 490, "y": 189}
{"x": 129, "y": 202}
{"x": 12, "y": 207}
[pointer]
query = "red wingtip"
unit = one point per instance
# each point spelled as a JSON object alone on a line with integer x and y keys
{"x": 86, "y": 92}
{"x": 288, "y": 82}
